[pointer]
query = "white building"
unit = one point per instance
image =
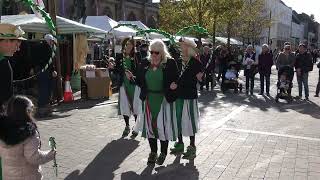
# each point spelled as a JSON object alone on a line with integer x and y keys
{"x": 297, "y": 30}
{"x": 281, "y": 18}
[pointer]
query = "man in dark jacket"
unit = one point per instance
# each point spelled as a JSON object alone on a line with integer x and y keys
{"x": 303, "y": 66}
{"x": 10, "y": 40}
{"x": 265, "y": 62}
{"x": 208, "y": 65}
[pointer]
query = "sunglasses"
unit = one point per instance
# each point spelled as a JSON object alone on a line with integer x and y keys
{"x": 155, "y": 52}
{"x": 287, "y": 49}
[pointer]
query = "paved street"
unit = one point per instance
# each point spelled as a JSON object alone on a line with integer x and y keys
{"x": 242, "y": 137}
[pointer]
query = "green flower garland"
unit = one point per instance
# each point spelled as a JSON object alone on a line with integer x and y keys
{"x": 52, "y": 29}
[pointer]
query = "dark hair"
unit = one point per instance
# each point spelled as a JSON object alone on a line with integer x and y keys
{"x": 131, "y": 41}
{"x": 20, "y": 109}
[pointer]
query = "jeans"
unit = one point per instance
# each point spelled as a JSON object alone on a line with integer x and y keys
{"x": 45, "y": 87}
{"x": 318, "y": 85}
{"x": 262, "y": 78}
{"x": 154, "y": 145}
{"x": 303, "y": 79}
{"x": 249, "y": 80}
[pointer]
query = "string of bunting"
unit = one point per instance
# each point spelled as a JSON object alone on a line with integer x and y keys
{"x": 37, "y": 9}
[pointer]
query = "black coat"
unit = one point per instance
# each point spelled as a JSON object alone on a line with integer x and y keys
{"x": 170, "y": 74}
{"x": 6, "y": 81}
{"x": 119, "y": 67}
{"x": 187, "y": 83}
{"x": 304, "y": 62}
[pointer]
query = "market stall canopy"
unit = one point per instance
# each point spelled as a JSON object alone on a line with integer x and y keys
{"x": 224, "y": 40}
{"x": 106, "y": 23}
{"x": 142, "y": 26}
{"x": 31, "y": 23}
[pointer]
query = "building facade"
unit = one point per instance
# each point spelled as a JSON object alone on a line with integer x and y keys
{"x": 281, "y": 19}
{"x": 128, "y": 10}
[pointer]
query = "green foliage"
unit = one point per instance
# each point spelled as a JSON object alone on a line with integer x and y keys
{"x": 231, "y": 18}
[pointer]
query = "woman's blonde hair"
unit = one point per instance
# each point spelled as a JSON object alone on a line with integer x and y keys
{"x": 159, "y": 46}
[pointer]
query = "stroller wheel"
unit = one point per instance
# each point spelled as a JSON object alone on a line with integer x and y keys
{"x": 277, "y": 99}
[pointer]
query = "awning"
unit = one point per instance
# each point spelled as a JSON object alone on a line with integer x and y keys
{"x": 106, "y": 23}
{"x": 31, "y": 23}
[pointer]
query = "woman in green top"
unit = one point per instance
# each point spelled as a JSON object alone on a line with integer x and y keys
{"x": 129, "y": 91}
{"x": 156, "y": 122}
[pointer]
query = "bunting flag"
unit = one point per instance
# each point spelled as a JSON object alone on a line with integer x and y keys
{"x": 37, "y": 7}
{"x": 193, "y": 28}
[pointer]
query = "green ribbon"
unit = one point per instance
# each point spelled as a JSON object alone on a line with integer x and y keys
{"x": 7, "y": 35}
{"x": 188, "y": 29}
{"x": 52, "y": 29}
{"x": 164, "y": 33}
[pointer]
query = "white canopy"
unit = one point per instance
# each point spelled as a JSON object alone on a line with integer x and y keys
{"x": 232, "y": 41}
{"x": 137, "y": 23}
{"x": 106, "y": 23}
{"x": 31, "y": 23}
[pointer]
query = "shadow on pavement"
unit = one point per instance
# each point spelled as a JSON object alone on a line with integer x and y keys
{"x": 52, "y": 117}
{"x": 107, "y": 161}
{"x": 174, "y": 171}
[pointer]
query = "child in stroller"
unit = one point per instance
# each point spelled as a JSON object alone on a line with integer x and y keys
{"x": 231, "y": 78}
{"x": 284, "y": 84}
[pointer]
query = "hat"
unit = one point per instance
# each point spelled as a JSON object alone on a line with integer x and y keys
{"x": 303, "y": 45}
{"x": 10, "y": 31}
{"x": 187, "y": 42}
{"x": 48, "y": 37}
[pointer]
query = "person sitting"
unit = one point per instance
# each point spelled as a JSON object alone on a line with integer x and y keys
{"x": 231, "y": 73}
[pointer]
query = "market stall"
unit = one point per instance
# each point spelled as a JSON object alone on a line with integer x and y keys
{"x": 72, "y": 41}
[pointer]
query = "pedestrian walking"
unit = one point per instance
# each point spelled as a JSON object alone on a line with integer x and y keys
{"x": 250, "y": 68}
{"x": 303, "y": 66}
{"x": 222, "y": 61}
{"x": 128, "y": 103}
{"x": 208, "y": 64}
{"x": 286, "y": 58}
{"x": 156, "y": 122}
{"x": 20, "y": 142}
{"x": 186, "y": 105}
{"x": 10, "y": 40}
{"x": 265, "y": 62}
{"x": 318, "y": 85}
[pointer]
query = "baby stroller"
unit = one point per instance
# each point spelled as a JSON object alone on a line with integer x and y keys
{"x": 284, "y": 84}
{"x": 231, "y": 80}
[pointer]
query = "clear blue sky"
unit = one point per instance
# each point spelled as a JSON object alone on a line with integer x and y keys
{"x": 306, "y": 6}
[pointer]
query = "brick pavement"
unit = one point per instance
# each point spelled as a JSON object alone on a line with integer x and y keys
{"x": 230, "y": 145}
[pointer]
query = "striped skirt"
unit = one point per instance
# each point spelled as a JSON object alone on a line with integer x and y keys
{"x": 187, "y": 116}
{"x": 129, "y": 106}
{"x": 163, "y": 128}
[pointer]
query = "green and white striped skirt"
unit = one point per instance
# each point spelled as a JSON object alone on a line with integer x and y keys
{"x": 164, "y": 127}
{"x": 129, "y": 105}
{"x": 187, "y": 116}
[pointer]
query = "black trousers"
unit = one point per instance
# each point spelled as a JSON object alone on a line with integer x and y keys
{"x": 249, "y": 82}
{"x": 262, "y": 78}
{"x": 154, "y": 145}
{"x": 318, "y": 85}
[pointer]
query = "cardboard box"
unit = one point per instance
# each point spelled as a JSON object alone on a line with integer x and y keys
{"x": 102, "y": 72}
{"x": 97, "y": 87}
{"x": 90, "y": 74}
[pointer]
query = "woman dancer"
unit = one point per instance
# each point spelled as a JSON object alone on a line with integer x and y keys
{"x": 186, "y": 105}
{"x": 156, "y": 122}
{"x": 129, "y": 91}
